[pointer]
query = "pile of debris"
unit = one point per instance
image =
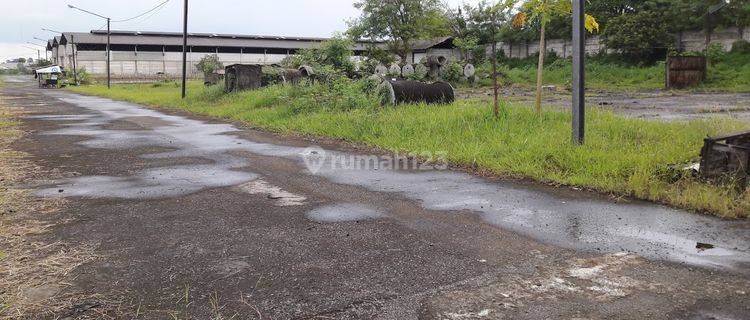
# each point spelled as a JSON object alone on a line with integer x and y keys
{"x": 726, "y": 158}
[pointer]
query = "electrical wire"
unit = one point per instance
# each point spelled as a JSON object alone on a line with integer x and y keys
{"x": 150, "y": 15}
{"x": 158, "y": 6}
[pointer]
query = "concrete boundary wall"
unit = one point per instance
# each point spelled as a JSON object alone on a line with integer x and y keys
{"x": 127, "y": 64}
{"x": 689, "y": 41}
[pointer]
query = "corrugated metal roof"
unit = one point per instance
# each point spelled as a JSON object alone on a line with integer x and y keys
{"x": 216, "y": 40}
{"x": 429, "y": 43}
{"x": 199, "y": 39}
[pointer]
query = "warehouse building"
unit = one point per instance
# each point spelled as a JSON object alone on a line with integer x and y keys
{"x": 137, "y": 54}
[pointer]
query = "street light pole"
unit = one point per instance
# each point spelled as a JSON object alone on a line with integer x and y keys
{"x": 184, "y": 48}
{"x": 108, "y": 37}
{"x": 579, "y": 81}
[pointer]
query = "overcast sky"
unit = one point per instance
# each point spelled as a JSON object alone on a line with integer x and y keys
{"x": 23, "y": 20}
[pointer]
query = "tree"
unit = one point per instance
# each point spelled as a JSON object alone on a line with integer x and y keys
{"x": 638, "y": 36}
{"x": 738, "y": 14}
{"x": 541, "y": 12}
{"x": 471, "y": 27}
{"x": 478, "y": 26}
{"x": 336, "y": 53}
{"x": 399, "y": 22}
{"x": 209, "y": 64}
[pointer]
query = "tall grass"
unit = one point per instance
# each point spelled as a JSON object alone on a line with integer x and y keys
{"x": 621, "y": 156}
{"x": 729, "y": 74}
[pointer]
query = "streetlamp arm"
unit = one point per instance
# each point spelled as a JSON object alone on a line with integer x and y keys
{"x": 86, "y": 11}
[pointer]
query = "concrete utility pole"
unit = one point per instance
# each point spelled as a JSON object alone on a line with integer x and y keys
{"x": 579, "y": 81}
{"x": 108, "y": 38}
{"x": 184, "y": 47}
{"x": 73, "y": 51}
{"x": 108, "y": 55}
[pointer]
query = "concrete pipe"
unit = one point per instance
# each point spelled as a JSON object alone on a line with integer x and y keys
{"x": 396, "y": 92}
{"x": 407, "y": 70}
{"x": 381, "y": 70}
{"x": 307, "y": 71}
{"x": 469, "y": 70}
{"x": 394, "y": 70}
{"x": 436, "y": 60}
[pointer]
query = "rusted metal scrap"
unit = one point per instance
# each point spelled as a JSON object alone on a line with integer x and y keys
{"x": 726, "y": 156}
{"x": 683, "y": 72}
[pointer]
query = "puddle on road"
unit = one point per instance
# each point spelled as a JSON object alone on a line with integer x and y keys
{"x": 650, "y": 230}
{"x": 343, "y": 212}
{"x": 187, "y": 138}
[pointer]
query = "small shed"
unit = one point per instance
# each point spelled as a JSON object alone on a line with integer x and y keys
{"x": 239, "y": 77}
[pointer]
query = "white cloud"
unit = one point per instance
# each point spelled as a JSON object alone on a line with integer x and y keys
{"x": 23, "y": 20}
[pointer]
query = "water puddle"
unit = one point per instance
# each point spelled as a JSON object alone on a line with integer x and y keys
{"x": 184, "y": 137}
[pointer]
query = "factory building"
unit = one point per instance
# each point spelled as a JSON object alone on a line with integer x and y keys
{"x": 136, "y": 54}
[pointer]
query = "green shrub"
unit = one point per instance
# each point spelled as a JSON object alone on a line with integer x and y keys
{"x": 453, "y": 72}
{"x": 335, "y": 95}
{"x": 81, "y": 75}
{"x": 335, "y": 53}
{"x": 741, "y": 46}
{"x": 715, "y": 53}
{"x": 209, "y": 64}
{"x": 418, "y": 75}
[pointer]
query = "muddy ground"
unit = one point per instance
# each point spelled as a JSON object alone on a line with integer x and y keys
{"x": 655, "y": 104}
{"x": 193, "y": 218}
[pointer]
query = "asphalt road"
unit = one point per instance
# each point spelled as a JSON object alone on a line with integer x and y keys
{"x": 194, "y": 218}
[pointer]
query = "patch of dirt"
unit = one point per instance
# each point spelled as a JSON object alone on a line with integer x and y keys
{"x": 657, "y": 104}
{"x": 34, "y": 273}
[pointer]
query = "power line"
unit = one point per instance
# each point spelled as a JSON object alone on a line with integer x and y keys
{"x": 158, "y": 6}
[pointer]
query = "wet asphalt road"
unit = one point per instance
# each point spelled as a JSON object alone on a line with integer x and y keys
{"x": 255, "y": 225}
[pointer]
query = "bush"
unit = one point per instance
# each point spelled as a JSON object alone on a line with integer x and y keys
{"x": 81, "y": 75}
{"x": 336, "y": 53}
{"x": 419, "y": 73}
{"x": 639, "y": 36}
{"x": 715, "y": 53}
{"x": 336, "y": 95}
{"x": 209, "y": 64}
{"x": 453, "y": 72}
{"x": 741, "y": 46}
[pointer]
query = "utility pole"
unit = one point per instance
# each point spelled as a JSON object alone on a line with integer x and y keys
{"x": 108, "y": 56}
{"x": 579, "y": 80}
{"x": 73, "y": 50}
{"x": 108, "y": 38}
{"x": 184, "y": 47}
{"x": 496, "y": 108}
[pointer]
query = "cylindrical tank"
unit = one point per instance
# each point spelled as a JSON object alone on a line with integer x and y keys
{"x": 407, "y": 91}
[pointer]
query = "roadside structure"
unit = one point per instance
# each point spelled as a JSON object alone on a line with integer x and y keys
{"x": 145, "y": 54}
